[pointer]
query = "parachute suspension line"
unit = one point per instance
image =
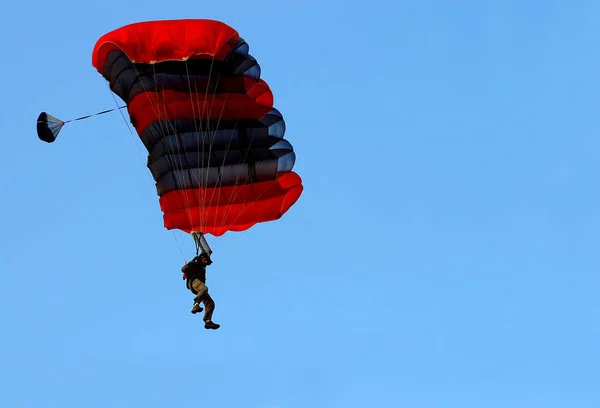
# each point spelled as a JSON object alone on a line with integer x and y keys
{"x": 251, "y": 177}
{"x": 202, "y": 182}
{"x": 212, "y": 135}
{"x": 128, "y": 128}
{"x": 179, "y": 245}
{"x": 250, "y": 159}
{"x": 245, "y": 145}
{"x": 167, "y": 126}
{"x": 179, "y": 242}
{"x": 207, "y": 135}
{"x": 242, "y": 139}
{"x": 220, "y": 181}
{"x": 179, "y": 161}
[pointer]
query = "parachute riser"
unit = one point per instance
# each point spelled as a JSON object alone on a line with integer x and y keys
{"x": 201, "y": 243}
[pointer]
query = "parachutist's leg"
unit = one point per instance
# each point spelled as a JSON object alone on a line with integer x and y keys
{"x": 198, "y": 288}
{"x": 209, "y": 304}
{"x": 196, "y": 308}
{"x": 202, "y": 295}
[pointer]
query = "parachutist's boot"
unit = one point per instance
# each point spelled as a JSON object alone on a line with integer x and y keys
{"x": 196, "y": 308}
{"x": 210, "y": 325}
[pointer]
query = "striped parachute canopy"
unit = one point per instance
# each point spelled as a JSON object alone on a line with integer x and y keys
{"x": 216, "y": 146}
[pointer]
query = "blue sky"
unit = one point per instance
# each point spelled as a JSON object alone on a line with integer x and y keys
{"x": 444, "y": 252}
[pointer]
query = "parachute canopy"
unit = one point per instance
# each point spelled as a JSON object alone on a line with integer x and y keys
{"x": 215, "y": 142}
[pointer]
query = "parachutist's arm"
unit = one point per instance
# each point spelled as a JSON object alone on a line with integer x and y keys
{"x": 187, "y": 266}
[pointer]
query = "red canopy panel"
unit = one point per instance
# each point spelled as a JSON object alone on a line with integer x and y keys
{"x": 235, "y": 208}
{"x": 156, "y": 41}
{"x": 149, "y": 107}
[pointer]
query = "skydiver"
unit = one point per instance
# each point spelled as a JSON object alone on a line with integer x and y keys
{"x": 194, "y": 272}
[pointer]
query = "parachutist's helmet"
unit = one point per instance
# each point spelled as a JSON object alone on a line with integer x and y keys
{"x": 203, "y": 256}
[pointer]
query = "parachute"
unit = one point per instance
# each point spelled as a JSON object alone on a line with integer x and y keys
{"x": 215, "y": 141}
{"x": 48, "y": 127}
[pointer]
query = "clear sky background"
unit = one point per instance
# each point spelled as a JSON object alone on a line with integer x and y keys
{"x": 445, "y": 252}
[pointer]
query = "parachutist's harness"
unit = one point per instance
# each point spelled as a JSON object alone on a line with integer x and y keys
{"x": 195, "y": 269}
